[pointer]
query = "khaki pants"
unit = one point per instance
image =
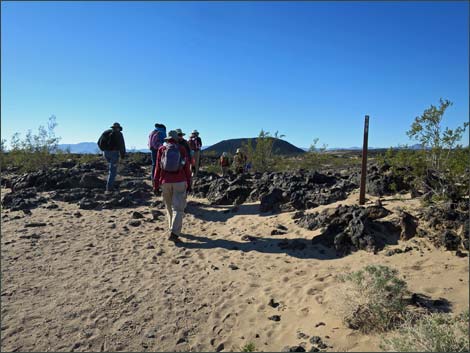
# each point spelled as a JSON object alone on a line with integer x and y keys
{"x": 174, "y": 196}
{"x": 197, "y": 156}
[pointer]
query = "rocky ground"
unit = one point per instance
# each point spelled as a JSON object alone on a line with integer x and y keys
{"x": 87, "y": 271}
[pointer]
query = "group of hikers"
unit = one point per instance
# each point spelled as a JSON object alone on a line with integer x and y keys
{"x": 175, "y": 161}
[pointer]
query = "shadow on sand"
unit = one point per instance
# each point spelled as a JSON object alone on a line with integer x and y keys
{"x": 298, "y": 247}
{"x": 221, "y": 213}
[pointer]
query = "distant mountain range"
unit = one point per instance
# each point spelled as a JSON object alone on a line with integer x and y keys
{"x": 281, "y": 147}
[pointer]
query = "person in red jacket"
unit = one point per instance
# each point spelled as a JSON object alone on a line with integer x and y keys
{"x": 173, "y": 175}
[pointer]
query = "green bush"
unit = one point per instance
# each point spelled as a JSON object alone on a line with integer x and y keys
{"x": 32, "y": 152}
{"x": 372, "y": 299}
{"x": 260, "y": 152}
{"x": 436, "y": 332}
{"x": 249, "y": 347}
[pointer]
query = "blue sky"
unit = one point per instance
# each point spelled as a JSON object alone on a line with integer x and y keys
{"x": 229, "y": 69}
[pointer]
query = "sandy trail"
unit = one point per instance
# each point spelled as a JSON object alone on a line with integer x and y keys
{"x": 95, "y": 283}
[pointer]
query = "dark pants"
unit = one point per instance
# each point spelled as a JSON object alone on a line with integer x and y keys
{"x": 154, "y": 161}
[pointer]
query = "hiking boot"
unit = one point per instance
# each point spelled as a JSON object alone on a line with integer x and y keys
{"x": 173, "y": 237}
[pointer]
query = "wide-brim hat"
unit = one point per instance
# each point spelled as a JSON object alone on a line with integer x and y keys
{"x": 116, "y": 126}
{"x": 195, "y": 132}
{"x": 179, "y": 132}
{"x": 172, "y": 134}
{"x": 238, "y": 150}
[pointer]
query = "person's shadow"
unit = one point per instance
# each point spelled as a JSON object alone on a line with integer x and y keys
{"x": 298, "y": 247}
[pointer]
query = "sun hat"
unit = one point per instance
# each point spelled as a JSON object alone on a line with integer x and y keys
{"x": 172, "y": 134}
{"x": 179, "y": 132}
{"x": 238, "y": 150}
{"x": 116, "y": 126}
{"x": 224, "y": 154}
{"x": 195, "y": 132}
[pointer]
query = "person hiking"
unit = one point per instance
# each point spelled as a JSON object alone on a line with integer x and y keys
{"x": 156, "y": 139}
{"x": 195, "y": 144}
{"x": 224, "y": 163}
{"x": 239, "y": 161}
{"x": 173, "y": 175}
{"x": 111, "y": 142}
{"x": 182, "y": 141}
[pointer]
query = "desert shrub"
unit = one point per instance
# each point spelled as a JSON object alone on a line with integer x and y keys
{"x": 372, "y": 299}
{"x": 436, "y": 332}
{"x": 34, "y": 151}
{"x": 442, "y": 154}
{"x": 249, "y": 347}
{"x": 211, "y": 168}
{"x": 88, "y": 158}
{"x": 260, "y": 152}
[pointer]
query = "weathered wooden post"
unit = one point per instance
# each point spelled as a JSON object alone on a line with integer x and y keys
{"x": 362, "y": 191}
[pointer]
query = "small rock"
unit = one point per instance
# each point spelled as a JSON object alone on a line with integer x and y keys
{"x": 273, "y": 304}
{"x": 134, "y": 223}
{"x": 181, "y": 340}
{"x": 320, "y": 324}
{"x": 156, "y": 214}
{"x": 275, "y": 318}
{"x": 293, "y": 349}
{"x": 277, "y": 232}
{"x": 137, "y": 215}
{"x": 35, "y": 224}
{"x": 461, "y": 254}
{"x": 315, "y": 340}
{"x": 233, "y": 267}
{"x": 298, "y": 214}
{"x": 77, "y": 214}
{"x": 150, "y": 246}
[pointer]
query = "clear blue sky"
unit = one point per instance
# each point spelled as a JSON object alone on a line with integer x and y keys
{"x": 229, "y": 69}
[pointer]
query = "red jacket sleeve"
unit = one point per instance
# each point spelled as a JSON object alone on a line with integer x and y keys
{"x": 187, "y": 170}
{"x": 158, "y": 170}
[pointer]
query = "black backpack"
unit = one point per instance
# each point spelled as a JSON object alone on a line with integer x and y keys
{"x": 104, "y": 142}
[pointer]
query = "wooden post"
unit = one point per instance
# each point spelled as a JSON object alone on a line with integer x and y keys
{"x": 362, "y": 191}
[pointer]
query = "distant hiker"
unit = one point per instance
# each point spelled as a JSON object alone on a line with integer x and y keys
{"x": 156, "y": 139}
{"x": 224, "y": 163}
{"x": 182, "y": 141}
{"x": 248, "y": 167}
{"x": 112, "y": 144}
{"x": 173, "y": 175}
{"x": 195, "y": 144}
{"x": 239, "y": 161}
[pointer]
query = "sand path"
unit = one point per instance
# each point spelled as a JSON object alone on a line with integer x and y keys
{"x": 95, "y": 283}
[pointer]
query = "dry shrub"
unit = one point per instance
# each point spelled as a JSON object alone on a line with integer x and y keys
{"x": 436, "y": 332}
{"x": 372, "y": 299}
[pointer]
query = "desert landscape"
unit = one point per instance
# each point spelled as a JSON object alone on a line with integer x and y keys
{"x": 258, "y": 268}
{"x": 235, "y": 176}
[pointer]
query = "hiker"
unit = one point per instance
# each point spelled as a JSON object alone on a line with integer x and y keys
{"x": 195, "y": 144}
{"x": 239, "y": 161}
{"x": 224, "y": 163}
{"x": 111, "y": 142}
{"x": 156, "y": 139}
{"x": 172, "y": 174}
{"x": 182, "y": 141}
